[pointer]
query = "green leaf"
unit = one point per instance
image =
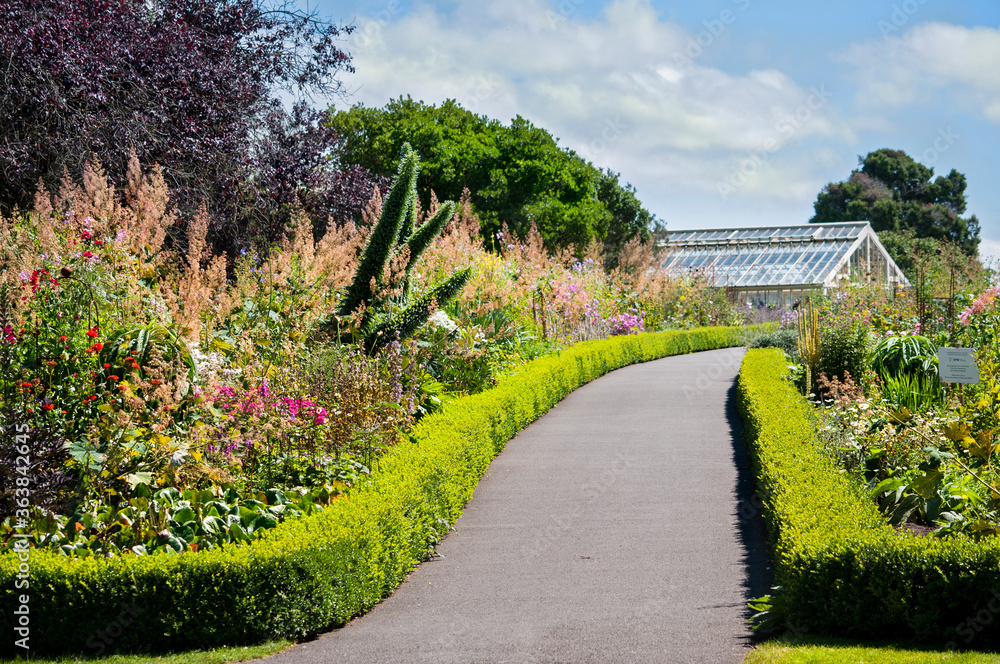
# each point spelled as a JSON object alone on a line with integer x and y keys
{"x": 135, "y": 479}
{"x": 237, "y": 532}
{"x": 265, "y": 521}
{"x": 926, "y": 485}
{"x": 213, "y": 525}
{"x": 184, "y": 516}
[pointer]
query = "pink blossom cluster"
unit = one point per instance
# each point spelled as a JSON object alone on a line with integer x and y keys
{"x": 632, "y": 322}
{"x": 256, "y": 402}
{"x": 789, "y": 319}
{"x": 985, "y": 302}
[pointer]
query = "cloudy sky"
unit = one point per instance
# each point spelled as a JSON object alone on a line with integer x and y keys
{"x": 719, "y": 112}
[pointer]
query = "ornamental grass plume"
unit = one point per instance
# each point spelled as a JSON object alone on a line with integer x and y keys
{"x": 809, "y": 342}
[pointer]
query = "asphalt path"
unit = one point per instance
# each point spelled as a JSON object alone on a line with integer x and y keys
{"x": 619, "y": 527}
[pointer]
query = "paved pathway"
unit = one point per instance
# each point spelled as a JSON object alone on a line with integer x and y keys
{"x": 617, "y": 528}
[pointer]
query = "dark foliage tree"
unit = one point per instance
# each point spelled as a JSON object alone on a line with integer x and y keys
{"x": 187, "y": 84}
{"x": 517, "y": 174}
{"x": 896, "y": 194}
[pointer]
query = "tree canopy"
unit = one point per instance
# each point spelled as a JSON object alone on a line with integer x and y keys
{"x": 897, "y": 194}
{"x": 516, "y": 173}
{"x": 189, "y": 85}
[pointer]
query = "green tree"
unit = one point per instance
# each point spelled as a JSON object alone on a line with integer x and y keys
{"x": 516, "y": 174}
{"x": 897, "y": 194}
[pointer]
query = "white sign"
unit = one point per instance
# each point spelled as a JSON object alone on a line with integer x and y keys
{"x": 956, "y": 365}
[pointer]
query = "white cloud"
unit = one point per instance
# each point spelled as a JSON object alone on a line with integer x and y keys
{"x": 930, "y": 62}
{"x": 627, "y": 91}
{"x": 989, "y": 251}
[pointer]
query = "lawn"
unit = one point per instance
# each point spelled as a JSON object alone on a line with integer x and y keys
{"x": 216, "y": 656}
{"x": 820, "y": 650}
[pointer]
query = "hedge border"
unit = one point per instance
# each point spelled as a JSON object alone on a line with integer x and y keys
{"x": 842, "y": 569}
{"x": 291, "y": 582}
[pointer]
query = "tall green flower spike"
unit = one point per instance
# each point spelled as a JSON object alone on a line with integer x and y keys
{"x": 383, "y": 319}
{"x": 395, "y": 210}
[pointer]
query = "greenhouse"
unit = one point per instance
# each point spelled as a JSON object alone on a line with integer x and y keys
{"x": 780, "y": 264}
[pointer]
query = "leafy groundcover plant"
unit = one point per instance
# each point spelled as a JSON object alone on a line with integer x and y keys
{"x": 314, "y": 572}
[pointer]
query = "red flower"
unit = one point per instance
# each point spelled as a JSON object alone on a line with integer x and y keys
{"x": 98, "y": 347}
{"x": 87, "y": 254}
{"x": 92, "y": 333}
{"x": 85, "y": 235}
{"x": 114, "y": 377}
{"x": 107, "y": 366}
{"x": 49, "y": 406}
{"x": 63, "y": 339}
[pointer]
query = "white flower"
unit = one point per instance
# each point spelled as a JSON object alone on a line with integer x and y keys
{"x": 440, "y": 319}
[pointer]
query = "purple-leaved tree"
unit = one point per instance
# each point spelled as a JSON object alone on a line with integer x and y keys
{"x": 189, "y": 84}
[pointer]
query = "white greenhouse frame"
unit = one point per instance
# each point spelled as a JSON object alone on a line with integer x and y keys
{"x": 782, "y": 264}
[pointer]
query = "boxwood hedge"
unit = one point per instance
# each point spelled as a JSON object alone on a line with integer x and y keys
{"x": 842, "y": 569}
{"x": 316, "y": 572}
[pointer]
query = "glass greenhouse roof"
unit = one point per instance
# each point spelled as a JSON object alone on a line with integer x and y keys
{"x": 782, "y": 256}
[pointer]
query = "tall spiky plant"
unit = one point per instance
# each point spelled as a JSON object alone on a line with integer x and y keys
{"x": 809, "y": 342}
{"x": 382, "y": 317}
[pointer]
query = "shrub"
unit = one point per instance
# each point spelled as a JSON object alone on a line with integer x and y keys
{"x": 844, "y": 346}
{"x": 912, "y": 355}
{"x": 786, "y": 340}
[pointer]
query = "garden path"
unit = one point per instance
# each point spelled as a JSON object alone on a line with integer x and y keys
{"x": 619, "y": 527}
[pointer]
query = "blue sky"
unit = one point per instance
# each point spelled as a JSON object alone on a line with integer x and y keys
{"x": 721, "y": 112}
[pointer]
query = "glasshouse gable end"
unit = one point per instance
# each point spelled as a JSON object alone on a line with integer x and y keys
{"x": 780, "y": 264}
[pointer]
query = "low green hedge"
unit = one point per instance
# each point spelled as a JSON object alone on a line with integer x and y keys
{"x": 313, "y": 573}
{"x": 842, "y": 568}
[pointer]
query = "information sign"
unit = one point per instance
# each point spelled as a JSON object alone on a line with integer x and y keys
{"x": 956, "y": 365}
